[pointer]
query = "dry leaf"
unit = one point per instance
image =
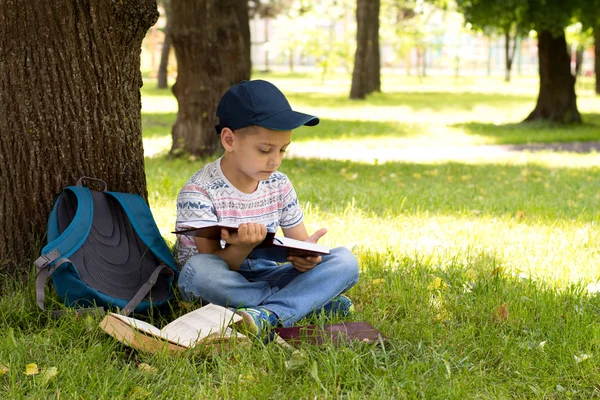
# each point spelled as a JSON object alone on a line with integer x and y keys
{"x": 47, "y": 375}
{"x": 3, "y": 369}
{"x": 149, "y": 369}
{"x": 520, "y": 214}
{"x": 581, "y": 357}
{"x": 31, "y": 369}
{"x": 297, "y": 360}
{"x": 436, "y": 284}
{"x": 501, "y": 314}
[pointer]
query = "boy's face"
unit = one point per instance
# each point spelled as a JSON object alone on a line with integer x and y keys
{"x": 258, "y": 151}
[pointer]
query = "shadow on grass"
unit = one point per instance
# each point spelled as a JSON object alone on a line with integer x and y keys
{"x": 418, "y": 101}
{"x": 452, "y": 188}
{"x": 448, "y": 321}
{"x": 398, "y": 188}
{"x": 331, "y": 129}
{"x": 156, "y": 125}
{"x": 536, "y": 132}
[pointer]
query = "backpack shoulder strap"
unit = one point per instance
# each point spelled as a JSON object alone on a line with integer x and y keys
{"x": 61, "y": 246}
{"x": 143, "y": 222}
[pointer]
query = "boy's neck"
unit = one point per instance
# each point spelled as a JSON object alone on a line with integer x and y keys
{"x": 241, "y": 182}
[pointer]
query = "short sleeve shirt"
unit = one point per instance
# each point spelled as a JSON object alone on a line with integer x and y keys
{"x": 209, "y": 197}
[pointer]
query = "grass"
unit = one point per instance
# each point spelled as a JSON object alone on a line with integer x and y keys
{"x": 442, "y": 245}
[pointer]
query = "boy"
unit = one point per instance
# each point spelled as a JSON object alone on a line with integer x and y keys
{"x": 244, "y": 187}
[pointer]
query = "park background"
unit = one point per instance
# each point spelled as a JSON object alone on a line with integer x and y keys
{"x": 477, "y": 234}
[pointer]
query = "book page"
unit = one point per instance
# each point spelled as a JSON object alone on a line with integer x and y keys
{"x": 298, "y": 244}
{"x": 198, "y": 324}
{"x": 139, "y": 325}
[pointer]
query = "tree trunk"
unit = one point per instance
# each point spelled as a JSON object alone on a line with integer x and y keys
{"x": 244, "y": 23}
{"x": 163, "y": 68}
{"x": 210, "y": 53}
{"x": 366, "y": 75}
{"x": 69, "y": 107}
{"x": 509, "y": 55}
{"x": 597, "y": 57}
{"x": 556, "y": 99}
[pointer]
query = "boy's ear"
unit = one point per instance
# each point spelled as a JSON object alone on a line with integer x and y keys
{"x": 227, "y": 139}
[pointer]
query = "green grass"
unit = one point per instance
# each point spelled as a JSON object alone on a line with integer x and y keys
{"x": 441, "y": 246}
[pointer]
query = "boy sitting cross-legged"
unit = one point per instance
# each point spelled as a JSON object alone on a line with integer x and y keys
{"x": 244, "y": 187}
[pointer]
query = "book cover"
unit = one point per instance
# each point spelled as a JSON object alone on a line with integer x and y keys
{"x": 207, "y": 326}
{"x": 275, "y": 248}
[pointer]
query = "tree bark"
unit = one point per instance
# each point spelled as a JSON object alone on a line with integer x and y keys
{"x": 209, "y": 47}
{"x": 509, "y": 55}
{"x": 242, "y": 12}
{"x": 597, "y": 57}
{"x": 366, "y": 76}
{"x": 556, "y": 99}
{"x": 163, "y": 68}
{"x": 69, "y": 107}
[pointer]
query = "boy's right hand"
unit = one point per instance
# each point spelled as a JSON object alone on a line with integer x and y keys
{"x": 248, "y": 235}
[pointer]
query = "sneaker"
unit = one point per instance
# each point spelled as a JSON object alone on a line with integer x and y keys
{"x": 258, "y": 322}
{"x": 340, "y": 306}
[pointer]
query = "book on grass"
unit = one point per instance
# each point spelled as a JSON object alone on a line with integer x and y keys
{"x": 275, "y": 248}
{"x": 205, "y": 327}
{"x": 345, "y": 332}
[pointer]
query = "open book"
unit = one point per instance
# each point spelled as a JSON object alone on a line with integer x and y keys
{"x": 275, "y": 248}
{"x": 207, "y": 326}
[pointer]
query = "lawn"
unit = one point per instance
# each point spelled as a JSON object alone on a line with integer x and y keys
{"x": 442, "y": 246}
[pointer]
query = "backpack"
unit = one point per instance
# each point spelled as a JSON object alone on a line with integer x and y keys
{"x": 104, "y": 249}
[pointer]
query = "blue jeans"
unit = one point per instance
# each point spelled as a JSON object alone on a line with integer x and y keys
{"x": 279, "y": 288}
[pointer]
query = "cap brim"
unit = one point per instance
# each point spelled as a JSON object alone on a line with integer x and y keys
{"x": 288, "y": 120}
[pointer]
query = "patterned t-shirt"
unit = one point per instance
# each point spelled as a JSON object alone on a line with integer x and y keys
{"x": 209, "y": 197}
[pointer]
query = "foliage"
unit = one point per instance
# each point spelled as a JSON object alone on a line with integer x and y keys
{"x": 313, "y": 31}
{"x": 551, "y": 15}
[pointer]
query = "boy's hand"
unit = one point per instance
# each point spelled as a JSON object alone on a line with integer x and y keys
{"x": 304, "y": 264}
{"x": 248, "y": 235}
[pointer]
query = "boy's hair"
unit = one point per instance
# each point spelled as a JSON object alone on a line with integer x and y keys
{"x": 259, "y": 103}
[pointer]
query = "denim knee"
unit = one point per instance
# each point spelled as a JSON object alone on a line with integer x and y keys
{"x": 345, "y": 264}
{"x": 198, "y": 275}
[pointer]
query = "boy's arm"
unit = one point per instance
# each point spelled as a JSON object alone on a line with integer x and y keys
{"x": 240, "y": 244}
{"x": 299, "y": 232}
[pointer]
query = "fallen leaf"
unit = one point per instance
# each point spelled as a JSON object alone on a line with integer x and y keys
{"x": 520, "y": 214}
{"x": 47, "y": 375}
{"x": 297, "y": 360}
{"x": 582, "y": 357}
{"x": 3, "y": 369}
{"x": 147, "y": 368}
{"x": 501, "y": 314}
{"x": 31, "y": 369}
{"x": 436, "y": 284}
{"x": 541, "y": 345}
{"x": 138, "y": 392}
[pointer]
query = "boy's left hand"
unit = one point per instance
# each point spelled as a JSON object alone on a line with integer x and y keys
{"x": 304, "y": 264}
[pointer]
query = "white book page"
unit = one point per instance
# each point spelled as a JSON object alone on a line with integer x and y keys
{"x": 196, "y": 325}
{"x": 140, "y": 325}
{"x": 298, "y": 244}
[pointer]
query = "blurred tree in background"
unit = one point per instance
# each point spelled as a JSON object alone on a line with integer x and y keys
{"x": 366, "y": 77}
{"x": 210, "y": 39}
{"x": 549, "y": 18}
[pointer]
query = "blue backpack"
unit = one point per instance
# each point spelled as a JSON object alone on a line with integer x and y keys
{"x": 104, "y": 249}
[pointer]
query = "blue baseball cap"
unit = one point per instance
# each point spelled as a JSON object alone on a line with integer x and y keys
{"x": 260, "y": 103}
